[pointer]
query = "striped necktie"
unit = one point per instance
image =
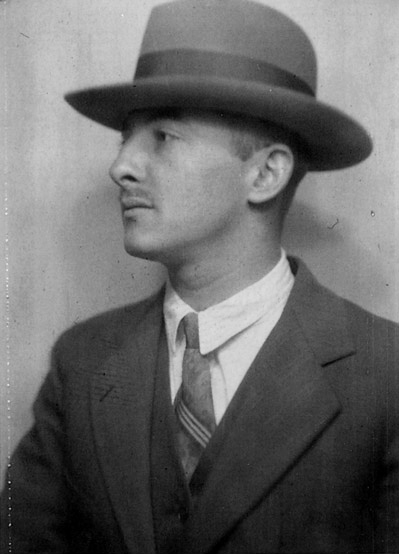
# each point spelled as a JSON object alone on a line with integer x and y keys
{"x": 194, "y": 404}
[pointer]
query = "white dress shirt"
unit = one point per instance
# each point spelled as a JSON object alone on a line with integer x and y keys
{"x": 231, "y": 333}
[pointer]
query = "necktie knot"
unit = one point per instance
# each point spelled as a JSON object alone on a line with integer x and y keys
{"x": 191, "y": 330}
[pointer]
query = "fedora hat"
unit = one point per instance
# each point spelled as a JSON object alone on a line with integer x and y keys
{"x": 234, "y": 56}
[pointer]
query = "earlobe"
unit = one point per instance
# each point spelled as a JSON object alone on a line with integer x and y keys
{"x": 271, "y": 170}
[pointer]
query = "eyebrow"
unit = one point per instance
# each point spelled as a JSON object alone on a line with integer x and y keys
{"x": 150, "y": 116}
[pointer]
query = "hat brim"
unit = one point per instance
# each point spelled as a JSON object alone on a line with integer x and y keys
{"x": 333, "y": 140}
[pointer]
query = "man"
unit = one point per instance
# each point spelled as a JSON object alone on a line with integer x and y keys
{"x": 244, "y": 408}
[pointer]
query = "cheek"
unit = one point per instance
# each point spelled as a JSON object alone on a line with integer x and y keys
{"x": 205, "y": 185}
{"x": 223, "y": 184}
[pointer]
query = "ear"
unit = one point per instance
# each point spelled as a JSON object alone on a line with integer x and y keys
{"x": 269, "y": 172}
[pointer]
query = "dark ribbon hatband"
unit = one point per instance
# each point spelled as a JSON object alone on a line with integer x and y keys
{"x": 214, "y": 64}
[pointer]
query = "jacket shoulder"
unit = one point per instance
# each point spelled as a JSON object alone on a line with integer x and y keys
{"x": 108, "y": 329}
{"x": 325, "y": 310}
{"x": 377, "y": 329}
{"x": 336, "y": 328}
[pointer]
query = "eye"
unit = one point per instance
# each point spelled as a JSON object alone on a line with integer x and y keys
{"x": 161, "y": 135}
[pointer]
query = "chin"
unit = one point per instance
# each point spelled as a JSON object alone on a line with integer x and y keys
{"x": 162, "y": 255}
{"x": 140, "y": 249}
{"x": 136, "y": 251}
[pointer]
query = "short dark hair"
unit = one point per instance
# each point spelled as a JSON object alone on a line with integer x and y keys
{"x": 250, "y": 135}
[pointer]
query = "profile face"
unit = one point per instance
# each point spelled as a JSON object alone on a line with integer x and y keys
{"x": 182, "y": 187}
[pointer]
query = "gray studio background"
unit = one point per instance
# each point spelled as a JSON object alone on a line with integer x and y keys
{"x": 64, "y": 259}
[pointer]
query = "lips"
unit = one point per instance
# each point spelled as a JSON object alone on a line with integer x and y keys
{"x": 136, "y": 201}
{"x": 131, "y": 204}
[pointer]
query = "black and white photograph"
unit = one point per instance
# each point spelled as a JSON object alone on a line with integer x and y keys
{"x": 200, "y": 291}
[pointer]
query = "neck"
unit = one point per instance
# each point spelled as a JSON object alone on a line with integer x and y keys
{"x": 208, "y": 282}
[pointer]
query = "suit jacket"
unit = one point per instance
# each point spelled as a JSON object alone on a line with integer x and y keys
{"x": 306, "y": 458}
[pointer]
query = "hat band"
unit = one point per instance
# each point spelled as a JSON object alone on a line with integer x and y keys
{"x": 215, "y": 64}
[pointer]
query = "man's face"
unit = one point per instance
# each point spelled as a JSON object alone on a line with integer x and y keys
{"x": 182, "y": 187}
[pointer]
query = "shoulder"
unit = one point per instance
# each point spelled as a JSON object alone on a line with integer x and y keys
{"x": 358, "y": 351}
{"x": 366, "y": 324}
{"x": 366, "y": 382}
{"x": 336, "y": 327}
{"x": 369, "y": 332}
{"x": 376, "y": 354}
{"x": 108, "y": 330}
{"x": 327, "y": 306}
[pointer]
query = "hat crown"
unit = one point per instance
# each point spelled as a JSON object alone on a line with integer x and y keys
{"x": 236, "y": 56}
{"x": 235, "y": 27}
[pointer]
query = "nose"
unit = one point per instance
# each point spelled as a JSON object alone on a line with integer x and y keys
{"x": 130, "y": 165}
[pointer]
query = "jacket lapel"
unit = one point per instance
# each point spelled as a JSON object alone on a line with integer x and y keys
{"x": 283, "y": 405}
{"x": 122, "y": 395}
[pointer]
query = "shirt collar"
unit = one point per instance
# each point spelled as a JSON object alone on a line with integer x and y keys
{"x": 221, "y": 322}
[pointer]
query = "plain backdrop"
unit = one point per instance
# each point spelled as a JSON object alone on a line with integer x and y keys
{"x": 61, "y": 234}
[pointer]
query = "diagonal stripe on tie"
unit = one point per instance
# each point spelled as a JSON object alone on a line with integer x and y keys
{"x": 192, "y": 425}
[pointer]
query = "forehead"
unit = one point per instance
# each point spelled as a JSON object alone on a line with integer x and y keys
{"x": 189, "y": 118}
{"x": 142, "y": 117}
